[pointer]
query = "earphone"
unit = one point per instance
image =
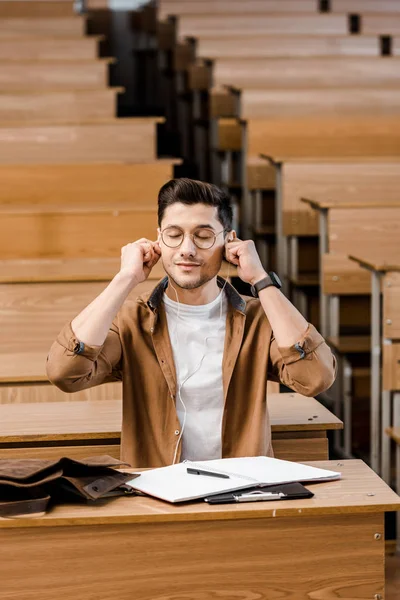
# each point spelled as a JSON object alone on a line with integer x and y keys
{"x": 179, "y": 396}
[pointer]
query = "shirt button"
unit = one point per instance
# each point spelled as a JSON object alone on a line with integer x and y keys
{"x": 177, "y": 432}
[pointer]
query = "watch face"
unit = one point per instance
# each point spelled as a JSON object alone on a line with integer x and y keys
{"x": 275, "y": 279}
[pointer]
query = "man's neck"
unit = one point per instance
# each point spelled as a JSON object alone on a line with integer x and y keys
{"x": 196, "y": 297}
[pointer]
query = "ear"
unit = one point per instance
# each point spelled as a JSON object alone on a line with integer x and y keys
{"x": 231, "y": 236}
{"x": 158, "y": 235}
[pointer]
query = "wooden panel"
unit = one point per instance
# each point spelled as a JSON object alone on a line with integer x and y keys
{"x": 306, "y": 72}
{"x": 223, "y": 104}
{"x": 45, "y": 392}
{"x": 229, "y": 135}
{"x": 300, "y": 450}
{"x": 357, "y": 230}
{"x": 58, "y": 107}
{"x": 199, "y": 77}
{"x": 33, "y": 314}
{"x": 67, "y": 26}
{"x": 364, "y": 6}
{"x": 85, "y": 232}
{"x": 391, "y": 366}
{"x": 41, "y": 48}
{"x": 256, "y": 103}
{"x": 328, "y": 137}
{"x": 85, "y": 183}
{"x": 337, "y": 181}
{"x": 391, "y": 303}
{"x": 343, "y": 276}
{"x": 12, "y": 9}
{"x": 228, "y": 24}
{"x": 198, "y": 7}
{"x": 381, "y": 24}
{"x": 143, "y": 562}
{"x": 260, "y": 174}
{"x": 294, "y": 46}
{"x": 122, "y": 140}
{"x": 57, "y": 452}
{"x": 53, "y": 75}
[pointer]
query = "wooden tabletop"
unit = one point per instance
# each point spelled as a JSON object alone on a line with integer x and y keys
{"x": 101, "y": 420}
{"x": 359, "y": 491}
{"x": 345, "y": 202}
{"x": 379, "y": 263}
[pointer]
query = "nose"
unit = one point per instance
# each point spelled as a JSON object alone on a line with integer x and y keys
{"x": 188, "y": 247}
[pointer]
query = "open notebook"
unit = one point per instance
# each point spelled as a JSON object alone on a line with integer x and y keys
{"x": 174, "y": 484}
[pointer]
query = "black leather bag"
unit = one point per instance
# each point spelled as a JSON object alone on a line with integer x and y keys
{"x": 31, "y": 485}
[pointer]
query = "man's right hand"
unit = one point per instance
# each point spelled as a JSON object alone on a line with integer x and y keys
{"x": 138, "y": 259}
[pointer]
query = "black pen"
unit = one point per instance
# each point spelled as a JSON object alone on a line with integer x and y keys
{"x": 192, "y": 471}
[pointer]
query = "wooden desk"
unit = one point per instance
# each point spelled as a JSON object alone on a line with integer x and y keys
{"x": 137, "y": 547}
{"x": 299, "y": 428}
{"x": 384, "y": 269}
{"x": 359, "y": 214}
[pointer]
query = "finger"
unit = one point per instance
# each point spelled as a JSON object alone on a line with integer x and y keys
{"x": 157, "y": 248}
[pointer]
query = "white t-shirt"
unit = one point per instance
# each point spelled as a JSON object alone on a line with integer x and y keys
{"x": 197, "y": 335}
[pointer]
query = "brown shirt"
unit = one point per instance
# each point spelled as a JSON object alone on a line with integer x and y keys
{"x": 138, "y": 351}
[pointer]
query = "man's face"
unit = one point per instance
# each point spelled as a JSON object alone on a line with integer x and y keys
{"x": 188, "y": 266}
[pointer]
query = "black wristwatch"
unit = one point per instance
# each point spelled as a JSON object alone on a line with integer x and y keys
{"x": 271, "y": 279}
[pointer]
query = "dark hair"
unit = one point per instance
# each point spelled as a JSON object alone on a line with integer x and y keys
{"x": 190, "y": 191}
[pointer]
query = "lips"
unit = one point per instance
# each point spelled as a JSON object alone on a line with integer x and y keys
{"x": 187, "y": 264}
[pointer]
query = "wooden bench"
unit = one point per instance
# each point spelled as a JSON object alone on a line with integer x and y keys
{"x": 224, "y": 7}
{"x": 299, "y": 428}
{"x": 303, "y": 73}
{"x": 35, "y": 9}
{"x": 394, "y": 434}
{"x": 49, "y": 27}
{"x": 75, "y": 184}
{"x": 114, "y": 140}
{"x": 242, "y": 25}
{"x": 37, "y": 297}
{"x": 364, "y": 6}
{"x": 72, "y": 231}
{"x": 54, "y": 75}
{"x": 48, "y": 49}
{"x": 268, "y": 46}
{"x": 384, "y": 265}
{"x": 388, "y": 24}
{"x": 61, "y": 107}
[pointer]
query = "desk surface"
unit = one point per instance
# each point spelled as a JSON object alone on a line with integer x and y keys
{"x": 326, "y": 203}
{"x": 359, "y": 491}
{"x": 101, "y": 419}
{"x": 379, "y": 263}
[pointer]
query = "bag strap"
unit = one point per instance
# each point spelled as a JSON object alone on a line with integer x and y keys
{"x": 15, "y": 508}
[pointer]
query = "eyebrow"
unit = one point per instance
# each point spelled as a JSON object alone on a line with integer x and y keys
{"x": 204, "y": 226}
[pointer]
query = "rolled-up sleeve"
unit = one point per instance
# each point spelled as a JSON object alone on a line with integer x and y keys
{"x": 73, "y": 366}
{"x": 308, "y": 367}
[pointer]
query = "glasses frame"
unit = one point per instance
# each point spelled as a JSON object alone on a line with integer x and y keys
{"x": 191, "y": 235}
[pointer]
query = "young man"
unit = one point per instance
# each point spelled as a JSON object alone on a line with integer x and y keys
{"x": 194, "y": 356}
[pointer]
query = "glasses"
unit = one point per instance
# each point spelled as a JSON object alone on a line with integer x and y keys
{"x": 202, "y": 238}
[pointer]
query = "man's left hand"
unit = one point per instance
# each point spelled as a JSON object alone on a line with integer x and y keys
{"x": 244, "y": 255}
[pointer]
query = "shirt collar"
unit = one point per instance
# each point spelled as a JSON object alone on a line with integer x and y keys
{"x": 235, "y": 299}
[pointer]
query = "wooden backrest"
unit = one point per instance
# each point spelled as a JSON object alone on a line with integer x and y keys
{"x": 381, "y": 24}
{"x": 72, "y": 232}
{"x": 360, "y": 231}
{"x": 306, "y": 72}
{"x": 51, "y": 27}
{"x": 342, "y": 180}
{"x": 239, "y": 24}
{"x": 53, "y": 75}
{"x": 224, "y": 7}
{"x": 35, "y": 9}
{"x": 341, "y": 276}
{"x": 364, "y": 6}
{"x": 119, "y": 140}
{"x": 289, "y": 45}
{"x": 75, "y": 184}
{"x": 62, "y": 107}
{"x": 42, "y": 48}
{"x": 258, "y": 103}
{"x": 44, "y": 393}
{"x": 391, "y": 330}
{"x": 324, "y": 137}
